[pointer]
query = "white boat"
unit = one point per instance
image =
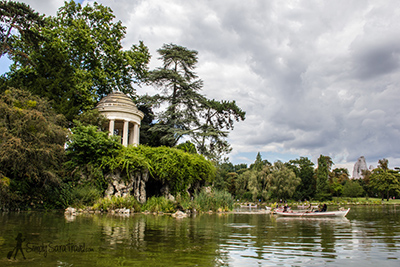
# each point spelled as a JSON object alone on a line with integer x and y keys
{"x": 310, "y": 214}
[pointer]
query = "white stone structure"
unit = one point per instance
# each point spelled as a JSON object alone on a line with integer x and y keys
{"x": 359, "y": 166}
{"x": 123, "y": 115}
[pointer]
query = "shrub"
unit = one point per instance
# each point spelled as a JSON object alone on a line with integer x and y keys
{"x": 183, "y": 202}
{"x": 158, "y": 204}
{"x": 214, "y": 200}
{"x": 107, "y": 203}
{"x": 352, "y": 189}
{"x": 85, "y": 195}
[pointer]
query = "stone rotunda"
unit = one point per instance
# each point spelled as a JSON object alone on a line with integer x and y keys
{"x": 123, "y": 115}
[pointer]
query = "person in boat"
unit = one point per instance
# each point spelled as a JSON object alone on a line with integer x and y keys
{"x": 285, "y": 208}
{"x": 324, "y": 208}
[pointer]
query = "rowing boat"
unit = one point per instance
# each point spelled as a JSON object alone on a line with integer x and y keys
{"x": 309, "y": 214}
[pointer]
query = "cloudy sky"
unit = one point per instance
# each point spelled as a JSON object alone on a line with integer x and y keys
{"x": 314, "y": 77}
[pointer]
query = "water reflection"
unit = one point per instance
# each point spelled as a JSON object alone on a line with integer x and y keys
{"x": 369, "y": 236}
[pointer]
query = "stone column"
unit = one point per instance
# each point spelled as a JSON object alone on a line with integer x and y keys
{"x": 136, "y": 133}
{"x": 131, "y": 135}
{"x": 125, "y": 134}
{"x": 111, "y": 127}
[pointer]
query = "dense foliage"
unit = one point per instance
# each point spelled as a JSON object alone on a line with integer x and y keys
{"x": 384, "y": 181}
{"x": 79, "y": 60}
{"x": 322, "y": 173}
{"x": 89, "y": 145}
{"x": 189, "y": 113}
{"x": 32, "y": 141}
{"x": 173, "y": 166}
{"x": 19, "y": 23}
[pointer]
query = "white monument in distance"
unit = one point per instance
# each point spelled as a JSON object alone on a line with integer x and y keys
{"x": 359, "y": 166}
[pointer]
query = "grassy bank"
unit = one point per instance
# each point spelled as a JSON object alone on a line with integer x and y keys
{"x": 204, "y": 201}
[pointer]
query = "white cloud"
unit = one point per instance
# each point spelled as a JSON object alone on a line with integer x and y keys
{"x": 49, "y": 8}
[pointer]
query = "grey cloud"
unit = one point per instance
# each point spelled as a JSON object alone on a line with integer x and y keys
{"x": 315, "y": 77}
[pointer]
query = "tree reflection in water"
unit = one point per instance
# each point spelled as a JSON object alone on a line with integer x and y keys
{"x": 369, "y": 236}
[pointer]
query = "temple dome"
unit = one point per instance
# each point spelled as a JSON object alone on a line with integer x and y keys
{"x": 123, "y": 116}
{"x": 118, "y": 102}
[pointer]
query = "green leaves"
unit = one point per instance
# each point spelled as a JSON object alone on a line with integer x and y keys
{"x": 88, "y": 144}
{"x": 32, "y": 141}
{"x": 322, "y": 172}
{"x": 282, "y": 181}
{"x": 80, "y": 59}
{"x": 352, "y": 189}
{"x": 15, "y": 16}
{"x": 172, "y": 166}
{"x": 383, "y": 180}
{"x": 304, "y": 169}
{"x": 188, "y": 113}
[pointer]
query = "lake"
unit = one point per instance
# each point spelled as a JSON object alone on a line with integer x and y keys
{"x": 369, "y": 236}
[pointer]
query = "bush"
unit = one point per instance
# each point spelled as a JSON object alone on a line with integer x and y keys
{"x": 352, "y": 189}
{"x": 214, "y": 200}
{"x": 128, "y": 202}
{"x": 85, "y": 195}
{"x": 158, "y": 204}
{"x": 183, "y": 202}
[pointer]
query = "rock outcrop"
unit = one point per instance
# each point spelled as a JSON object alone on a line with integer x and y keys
{"x": 166, "y": 193}
{"x": 134, "y": 184}
{"x": 359, "y": 166}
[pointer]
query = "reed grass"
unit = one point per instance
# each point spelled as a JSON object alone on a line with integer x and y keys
{"x": 214, "y": 200}
{"x": 107, "y": 203}
{"x": 158, "y": 204}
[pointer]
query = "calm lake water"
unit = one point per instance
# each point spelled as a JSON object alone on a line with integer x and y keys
{"x": 369, "y": 236}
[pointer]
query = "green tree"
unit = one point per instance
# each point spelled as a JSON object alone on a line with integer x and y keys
{"x": 230, "y": 182}
{"x": 337, "y": 179}
{"x": 342, "y": 175}
{"x": 217, "y": 117}
{"x": 384, "y": 181}
{"x": 87, "y": 149}
{"x": 366, "y": 174}
{"x": 149, "y": 137}
{"x": 88, "y": 144}
{"x": 225, "y": 178}
{"x": 304, "y": 169}
{"x": 188, "y": 113}
{"x": 252, "y": 181}
{"x": 92, "y": 117}
{"x": 80, "y": 60}
{"x": 187, "y": 147}
{"x": 324, "y": 165}
{"x": 282, "y": 181}
{"x": 352, "y": 189}
{"x": 239, "y": 167}
{"x": 32, "y": 139}
{"x": 241, "y": 183}
{"x": 258, "y": 164}
{"x": 247, "y": 185}
{"x": 336, "y": 187}
{"x": 18, "y": 18}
